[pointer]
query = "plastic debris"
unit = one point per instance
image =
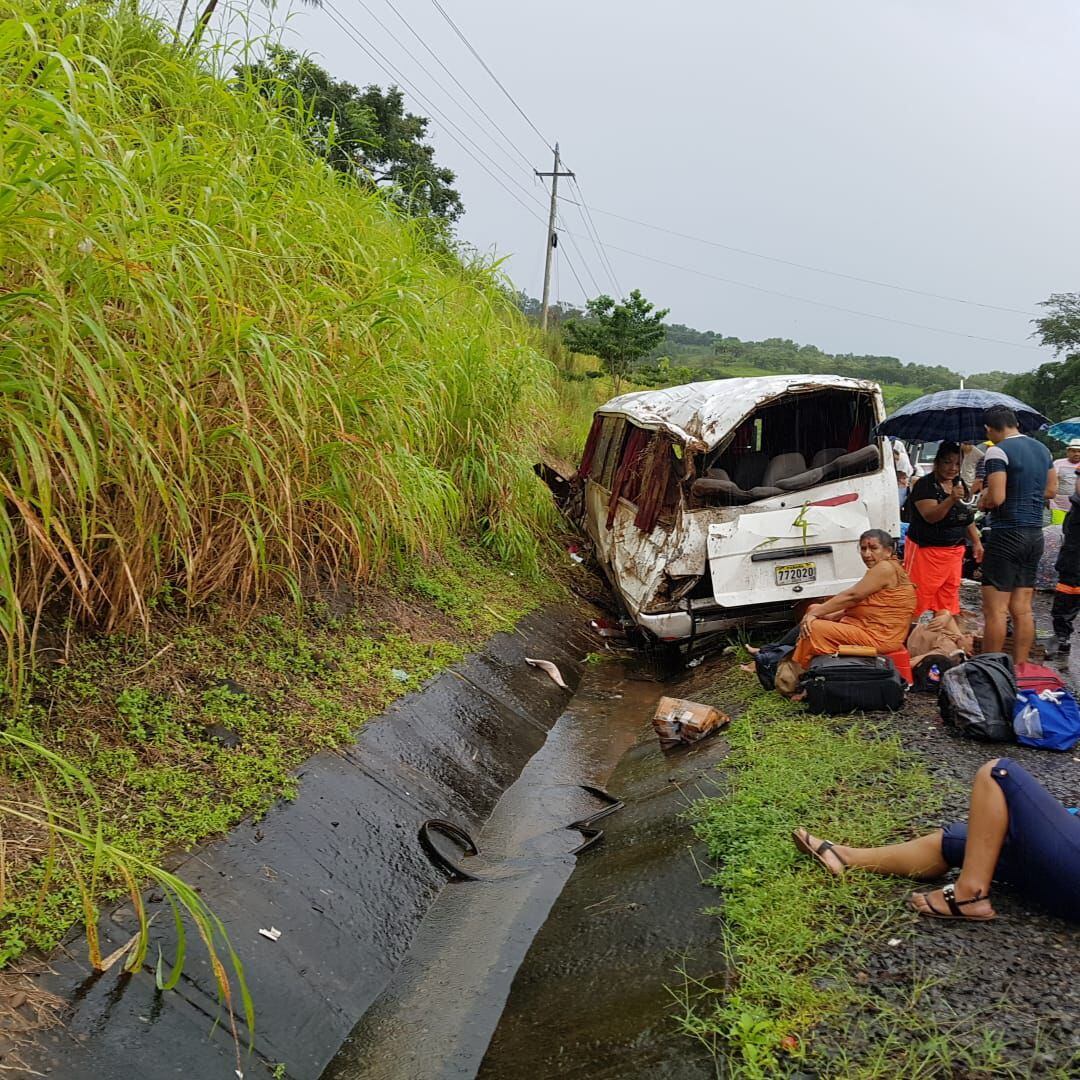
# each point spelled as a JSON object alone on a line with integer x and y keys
{"x": 550, "y": 668}
{"x": 694, "y": 663}
{"x": 679, "y": 721}
{"x": 272, "y": 934}
{"x": 400, "y": 674}
{"x": 894, "y": 941}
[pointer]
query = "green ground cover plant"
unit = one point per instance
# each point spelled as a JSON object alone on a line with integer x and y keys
{"x": 793, "y": 935}
{"x": 181, "y": 736}
{"x": 224, "y": 365}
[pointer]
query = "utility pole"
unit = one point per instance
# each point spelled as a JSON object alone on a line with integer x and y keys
{"x": 551, "y": 240}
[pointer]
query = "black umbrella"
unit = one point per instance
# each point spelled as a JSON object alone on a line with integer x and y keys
{"x": 954, "y": 415}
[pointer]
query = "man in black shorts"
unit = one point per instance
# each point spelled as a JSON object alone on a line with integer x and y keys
{"x": 1020, "y": 477}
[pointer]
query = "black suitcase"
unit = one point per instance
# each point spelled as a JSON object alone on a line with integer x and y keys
{"x": 843, "y": 684}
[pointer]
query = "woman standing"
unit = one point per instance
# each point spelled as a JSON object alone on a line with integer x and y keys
{"x": 939, "y": 525}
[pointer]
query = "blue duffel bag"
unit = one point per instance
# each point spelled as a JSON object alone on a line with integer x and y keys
{"x": 1046, "y": 716}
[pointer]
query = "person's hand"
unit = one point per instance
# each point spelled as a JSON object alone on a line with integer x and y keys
{"x": 977, "y": 551}
{"x": 939, "y": 621}
{"x": 983, "y": 503}
{"x": 807, "y": 620}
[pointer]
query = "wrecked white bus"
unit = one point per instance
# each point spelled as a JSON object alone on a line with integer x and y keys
{"x": 715, "y": 503}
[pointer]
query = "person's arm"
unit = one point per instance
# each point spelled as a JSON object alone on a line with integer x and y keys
{"x": 1051, "y": 483}
{"x": 933, "y": 511}
{"x": 874, "y": 579}
{"x": 994, "y": 493}
{"x": 976, "y": 542}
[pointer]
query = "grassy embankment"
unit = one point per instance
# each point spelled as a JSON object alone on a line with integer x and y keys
{"x": 233, "y": 383}
{"x": 794, "y": 936}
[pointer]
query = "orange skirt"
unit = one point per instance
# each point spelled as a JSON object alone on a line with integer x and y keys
{"x": 935, "y": 572}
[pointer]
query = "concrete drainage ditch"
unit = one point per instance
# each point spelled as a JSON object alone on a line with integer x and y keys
{"x": 540, "y": 965}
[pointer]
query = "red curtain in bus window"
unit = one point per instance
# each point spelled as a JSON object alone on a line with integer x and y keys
{"x": 628, "y": 479}
{"x": 659, "y": 485}
{"x": 590, "y": 446}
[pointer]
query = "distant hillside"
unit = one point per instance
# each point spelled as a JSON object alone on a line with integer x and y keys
{"x": 687, "y": 354}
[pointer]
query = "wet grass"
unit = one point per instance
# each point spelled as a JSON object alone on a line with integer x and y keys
{"x": 793, "y": 935}
{"x": 183, "y": 735}
{"x": 224, "y": 367}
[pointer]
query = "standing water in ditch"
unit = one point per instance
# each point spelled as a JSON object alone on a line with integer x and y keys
{"x": 555, "y": 964}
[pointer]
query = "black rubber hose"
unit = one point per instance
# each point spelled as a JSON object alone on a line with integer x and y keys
{"x": 454, "y": 832}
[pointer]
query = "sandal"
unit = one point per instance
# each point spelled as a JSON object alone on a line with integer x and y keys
{"x": 949, "y": 893}
{"x": 801, "y": 838}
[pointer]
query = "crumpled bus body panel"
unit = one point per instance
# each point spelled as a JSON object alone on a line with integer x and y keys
{"x": 683, "y": 566}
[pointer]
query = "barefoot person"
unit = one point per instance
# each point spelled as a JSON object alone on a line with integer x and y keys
{"x": 1016, "y": 833}
{"x": 875, "y": 611}
{"x": 1020, "y": 477}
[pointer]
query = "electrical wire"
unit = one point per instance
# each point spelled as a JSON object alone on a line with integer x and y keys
{"x": 438, "y": 60}
{"x": 814, "y": 269}
{"x": 450, "y": 97}
{"x": 820, "y": 303}
{"x": 587, "y": 220}
{"x": 346, "y": 25}
{"x": 581, "y": 256}
{"x": 468, "y": 45}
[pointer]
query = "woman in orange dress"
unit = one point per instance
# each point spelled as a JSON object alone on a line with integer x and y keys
{"x": 876, "y": 611}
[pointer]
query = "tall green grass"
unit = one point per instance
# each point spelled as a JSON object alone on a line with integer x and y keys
{"x": 222, "y": 366}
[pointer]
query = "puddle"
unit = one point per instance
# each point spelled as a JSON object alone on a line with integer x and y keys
{"x": 554, "y": 965}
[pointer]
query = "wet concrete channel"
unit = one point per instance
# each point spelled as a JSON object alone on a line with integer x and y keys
{"x": 552, "y": 964}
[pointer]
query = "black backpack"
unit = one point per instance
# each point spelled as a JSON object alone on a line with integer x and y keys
{"x": 844, "y": 684}
{"x": 978, "y": 697}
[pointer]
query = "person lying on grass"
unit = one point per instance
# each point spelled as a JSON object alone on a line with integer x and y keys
{"x": 1017, "y": 833}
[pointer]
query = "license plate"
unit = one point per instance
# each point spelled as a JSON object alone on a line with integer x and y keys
{"x": 795, "y": 573}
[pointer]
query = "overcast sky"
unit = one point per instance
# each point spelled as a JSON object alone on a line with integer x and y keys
{"x": 925, "y": 144}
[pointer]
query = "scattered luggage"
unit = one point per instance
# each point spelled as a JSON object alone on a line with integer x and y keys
{"x": 766, "y": 662}
{"x": 678, "y": 721}
{"x": 1046, "y": 715}
{"x": 843, "y": 684}
{"x": 978, "y": 697}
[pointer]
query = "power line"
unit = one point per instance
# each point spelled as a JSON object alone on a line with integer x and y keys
{"x": 587, "y": 220}
{"x": 814, "y": 269}
{"x": 393, "y": 72}
{"x": 468, "y": 45}
{"x": 435, "y": 56}
{"x": 581, "y": 256}
{"x": 820, "y": 303}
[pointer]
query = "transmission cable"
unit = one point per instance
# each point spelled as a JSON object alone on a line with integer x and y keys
{"x": 461, "y": 86}
{"x": 820, "y": 303}
{"x": 389, "y": 69}
{"x": 587, "y": 220}
{"x": 468, "y": 45}
{"x": 580, "y": 254}
{"x": 814, "y": 269}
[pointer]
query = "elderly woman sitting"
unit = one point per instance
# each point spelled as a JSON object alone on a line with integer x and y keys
{"x": 876, "y": 611}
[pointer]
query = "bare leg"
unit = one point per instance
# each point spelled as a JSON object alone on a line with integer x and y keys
{"x": 995, "y": 608}
{"x": 1023, "y": 624}
{"x": 918, "y": 859}
{"x": 988, "y": 821}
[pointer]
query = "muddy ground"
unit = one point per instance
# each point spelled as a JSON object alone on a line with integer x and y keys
{"x": 1018, "y": 976}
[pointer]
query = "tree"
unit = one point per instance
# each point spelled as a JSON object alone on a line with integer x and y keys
{"x": 617, "y": 333}
{"x": 1054, "y": 388}
{"x": 1061, "y": 328}
{"x": 366, "y": 134}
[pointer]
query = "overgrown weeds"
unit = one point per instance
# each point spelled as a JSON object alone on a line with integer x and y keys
{"x": 223, "y": 366}
{"x": 221, "y": 712}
